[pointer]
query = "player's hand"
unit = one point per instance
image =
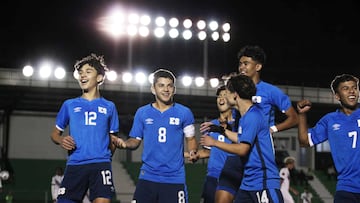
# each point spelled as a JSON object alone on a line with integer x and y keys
{"x": 68, "y": 142}
{"x": 206, "y": 140}
{"x": 303, "y": 106}
{"x": 204, "y": 127}
{"x": 193, "y": 156}
{"x": 120, "y": 143}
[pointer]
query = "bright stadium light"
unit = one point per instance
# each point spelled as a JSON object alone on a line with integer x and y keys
{"x": 226, "y": 27}
{"x": 140, "y": 78}
{"x": 199, "y": 81}
{"x": 173, "y": 33}
{"x": 28, "y": 71}
{"x": 127, "y": 77}
{"x": 187, "y": 34}
{"x": 187, "y": 23}
{"x": 45, "y": 70}
{"x": 160, "y": 21}
{"x": 186, "y": 81}
{"x": 214, "y": 82}
{"x": 213, "y": 25}
{"x": 202, "y": 35}
{"x": 173, "y": 22}
{"x": 59, "y": 73}
{"x": 111, "y": 75}
{"x": 201, "y": 24}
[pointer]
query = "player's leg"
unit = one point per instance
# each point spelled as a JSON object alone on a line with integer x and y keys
{"x": 229, "y": 180}
{"x": 172, "y": 193}
{"x": 343, "y": 196}
{"x": 209, "y": 189}
{"x": 74, "y": 185}
{"x": 145, "y": 192}
{"x": 101, "y": 182}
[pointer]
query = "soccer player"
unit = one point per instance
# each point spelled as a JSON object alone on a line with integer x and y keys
{"x": 216, "y": 156}
{"x": 93, "y": 124}
{"x": 340, "y": 129}
{"x": 261, "y": 180}
{"x": 162, "y": 125}
{"x": 269, "y": 98}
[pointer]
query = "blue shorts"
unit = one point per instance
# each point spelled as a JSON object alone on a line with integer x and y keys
{"x": 153, "y": 192}
{"x": 231, "y": 175}
{"x": 209, "y": 189}
{"x": 348, "y": 197}
{"x": 270, "y": 195}
{"x": 97, "y": 177}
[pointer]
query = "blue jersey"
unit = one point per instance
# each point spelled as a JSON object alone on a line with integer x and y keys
{"x": 163, "y": 139}
{"x": 268, "y": 97}
{"x": 217, "y": 156}
{"x": 341, "y": 131}
{"x": 260, "y": 171}
{"x": 90, "y": 123}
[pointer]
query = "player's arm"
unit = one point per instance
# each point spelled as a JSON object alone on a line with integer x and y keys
{"x": 241, "y": 149}
{"x": 210, "y": 127}
{"x": 66, "y": 142}
{"x": 131, "y": 143}
{"x": 202, "y": 154}
{"x": 112, "y": 145}
{"x": 303, "y": 106}
{"x": 290, "y": 121}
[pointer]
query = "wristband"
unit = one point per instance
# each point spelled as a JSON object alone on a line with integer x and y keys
{"x": 274, "y": 129}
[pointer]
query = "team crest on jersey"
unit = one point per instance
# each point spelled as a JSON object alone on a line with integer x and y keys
{"x": 149, "y": 121}
{"x": 102, "y": 110}
{"x": 256, "y": 99}
{"x": 61, "y": 191}
{"x": 77, "y": 109}
{"x": 174, "y": 121}
{"x": 336, "y": 126}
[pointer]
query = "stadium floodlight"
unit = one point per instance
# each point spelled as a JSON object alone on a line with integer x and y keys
{"x": 127, "y": 77}
{"x": 213, "y": 25}
{"x": 28, "y": 71}
{"x": 202, "y": 35}
{"x": 201, "y": 24}
{"x": 187, "y": 23}
{"x": 199, "y": 81}
{"x": 111, "y": 75}
{"x": 160, "y": 21}
{"x": 226, "y": 37}
{"x": 59, "y": 73}
{"x": 145, "y": 20}
{"x": 226, "y": 27}
{"x": 215, "y": 36}
{"x": 173, "y": 33}
{"x": 173, "y": 22}
{"x": 134, "y": 18}
{"x": 140, "y": 78}
{"x": 159, "y": 32}
{"x": 214, "y": 82}
{"x": 144, "y": 31}
{"x": 187, "y": 34}
{"x": 186, "y": 80}
{"x": 132, "y": 30}
{"x": 45, "y": 70}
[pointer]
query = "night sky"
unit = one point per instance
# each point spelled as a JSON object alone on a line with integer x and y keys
{"x": 307, "y": 43}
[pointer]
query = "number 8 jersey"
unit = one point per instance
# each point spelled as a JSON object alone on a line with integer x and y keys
{"x": 163, "y": 136}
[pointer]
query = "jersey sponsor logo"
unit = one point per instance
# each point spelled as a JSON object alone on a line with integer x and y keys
{"x": 174, "y": 121}
{"x": 336, "y": 126}
{"x": 102, "y": 110}
{"x": 77, "y": 109}
{"x": 149, "y": 121}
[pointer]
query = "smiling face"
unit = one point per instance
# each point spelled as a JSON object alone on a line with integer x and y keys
{"x": 221, "y": 101}
{"x": 348, "y": 94}
{"x": 249, "y": 67}
{"x": 88, "y": 77}
{"x": 164, "y": 90}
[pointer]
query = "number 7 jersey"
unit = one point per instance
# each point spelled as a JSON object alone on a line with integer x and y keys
{"x": 342, "y": 131}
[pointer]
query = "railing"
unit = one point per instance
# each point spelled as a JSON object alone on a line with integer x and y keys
{"x": 14, "y": 77}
